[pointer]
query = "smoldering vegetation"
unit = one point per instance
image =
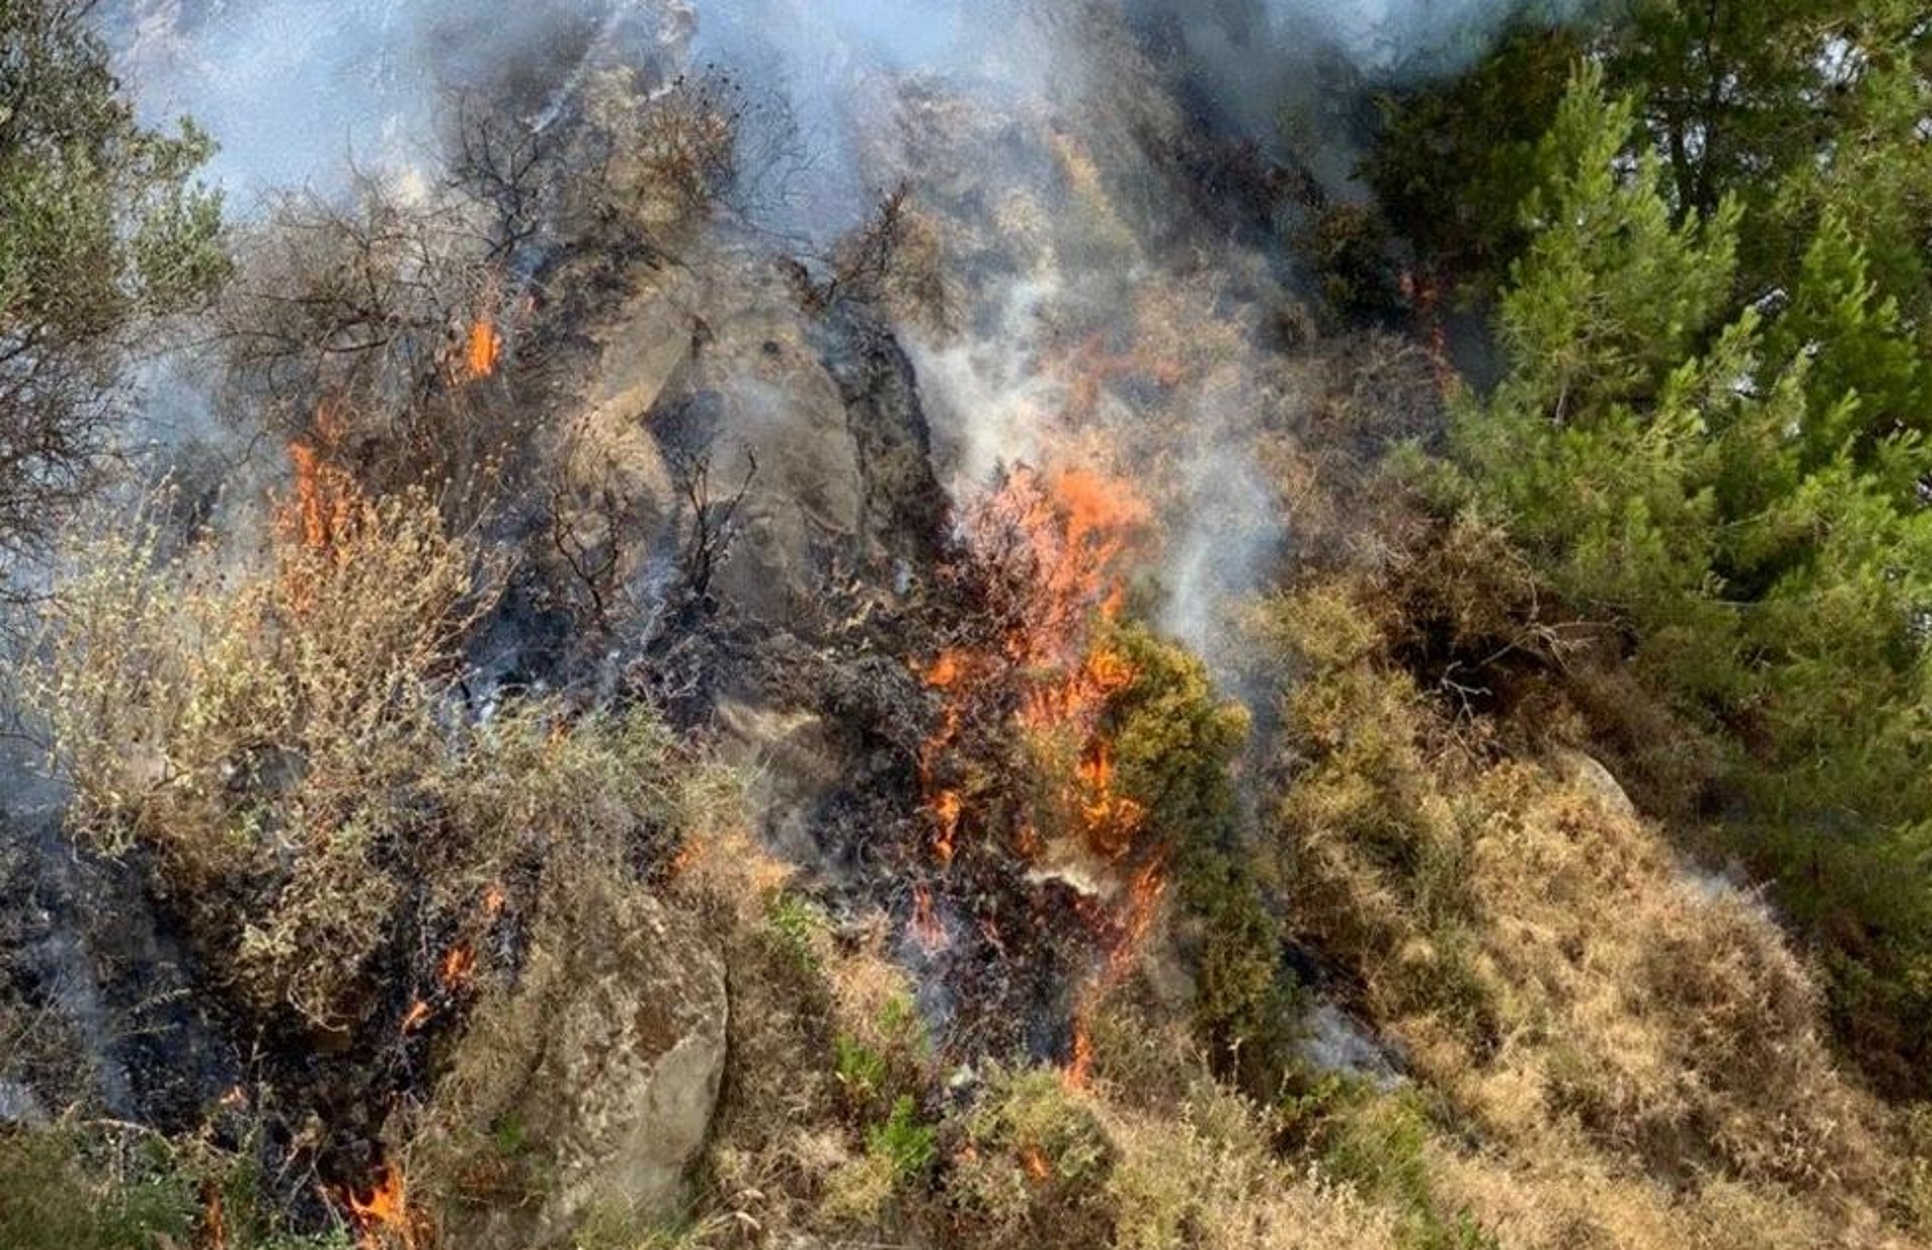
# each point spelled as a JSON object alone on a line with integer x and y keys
{"x": 800, "y": 625}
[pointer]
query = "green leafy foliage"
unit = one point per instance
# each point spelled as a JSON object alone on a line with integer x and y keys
{"x": 81, "y": 1187}
{"x": 1175, "y": 747}
{"x": 1032, "y": 1165}
{"x": 902, "y": 1139}
{"x": 1738, "y": 491}
{"x": 1454, "y": 159}
{"x": 102, "y": 228}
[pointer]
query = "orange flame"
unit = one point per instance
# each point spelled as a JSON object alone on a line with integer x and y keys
{"x": 1065, "y": 533}
{"x": 926, "y": 928}
{"x": 1035, "y": 1163}
{"x": 382, "y": 1215}
{"x": 1130, "y": 929}
{"x": 459, "y": 964}
{"x": 323, "y": 509}
{"x": 947, "y": 807}
{"x": 418, "y": 1015}
{"x": 214, "y": 1219}
{"x": 1079, "y": 1069}
{"x": 484, "y": 350}
{"x": 1056, "y": 540}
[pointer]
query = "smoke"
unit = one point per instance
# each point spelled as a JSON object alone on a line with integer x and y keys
{"x": 293, "y": 90}
{"x": 1031, "y": 126}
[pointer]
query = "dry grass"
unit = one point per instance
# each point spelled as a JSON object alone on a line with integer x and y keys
{"x": 1207, "y": 1177}
{"x": 1643, "y": 1062}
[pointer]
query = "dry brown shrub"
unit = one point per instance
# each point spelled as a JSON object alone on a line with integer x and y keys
{"x": 1548, "y": 965}
{"x": 292, "y": 747}
{"x": 1205, "y": 1176}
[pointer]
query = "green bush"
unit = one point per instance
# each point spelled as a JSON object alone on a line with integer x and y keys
{"x": 79, "y": 1188}
{"x": 910, "y": 1145}
{"x": 1736, "y": 493}
{"x": 1030, "y": 1166}
{"x": 1377, "y": 1144}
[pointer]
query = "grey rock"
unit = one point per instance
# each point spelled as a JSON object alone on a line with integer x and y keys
{"x": 609, "y": 1058}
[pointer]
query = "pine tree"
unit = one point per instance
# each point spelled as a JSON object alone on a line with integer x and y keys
{"x": 1743, "y": 494}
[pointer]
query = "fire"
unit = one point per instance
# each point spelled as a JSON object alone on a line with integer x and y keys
{"x": 214, "y": 1219}
{"x": 1051, "y": 545}
{"x": 457, "y": 968}
{"x": 947, "y": 669}
{"x": 1035, "y": 1163}
{"x": 1075, "y": 525}
{"x": 459, "y": 964}
{"x": 1130, "y": 929}
{"x": 926, "y": 928}
{"x": 1060, "y": 537}
{"x": 947, "y": 807}
{"x": 326, "y": 501}
{"x": 417, "y": 1016}
{"x": 681, "y": 862}
{"x": 1108, "y": 820}
{"x": 1079, "y": 1069}
{"x": 482, "y": 351}
{"x": 382, "y": 1215}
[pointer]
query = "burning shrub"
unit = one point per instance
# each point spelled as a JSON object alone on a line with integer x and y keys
{"x": 377, "y": 305}
{"x": 1175, "y": 746}
{"x": 1031, "y": 1165}
{"x": 292, "y": 748}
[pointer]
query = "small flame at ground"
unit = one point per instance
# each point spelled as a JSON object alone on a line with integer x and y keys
{"x": 459, "y": 964}
{"x": 926, "y": 927}
{"x": 1132, "y": 924}
{"x": 214, "y": 1219}
{"x": 323, "y": 509}
{"x": 417, "y": 1016}
{"x": 482, "y": 351}
{"x": 382, "y": 1215}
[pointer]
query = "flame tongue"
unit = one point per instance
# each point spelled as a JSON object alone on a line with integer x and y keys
{"x": 382, "y": 1214}
{"x": 1055, "y": 540}
{"x": 482, "y": 350}
{"x": 1050, "y": 545}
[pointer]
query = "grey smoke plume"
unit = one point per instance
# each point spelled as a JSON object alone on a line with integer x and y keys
{"x": 293, "y": 89}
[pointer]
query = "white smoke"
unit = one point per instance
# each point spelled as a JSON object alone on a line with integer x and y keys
{"x": 293, "y": 90}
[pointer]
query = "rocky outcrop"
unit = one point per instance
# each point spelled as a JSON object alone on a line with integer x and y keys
{"x": 590, "y": 1088}
{"x": 800, "y": 429}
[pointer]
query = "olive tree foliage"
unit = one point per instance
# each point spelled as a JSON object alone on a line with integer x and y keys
{"x": 103, "y": 228}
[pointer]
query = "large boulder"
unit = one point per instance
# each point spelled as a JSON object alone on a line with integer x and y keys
{"x": 590, "y": 1088}
{"x": 804, "y": 426}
